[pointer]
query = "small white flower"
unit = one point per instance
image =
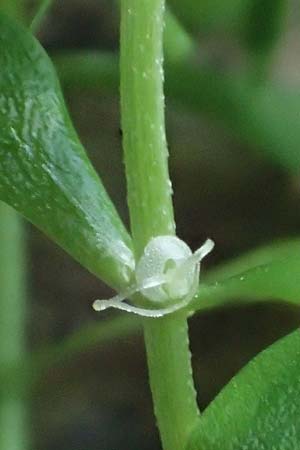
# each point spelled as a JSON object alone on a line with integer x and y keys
{"x": 166, "y": 274}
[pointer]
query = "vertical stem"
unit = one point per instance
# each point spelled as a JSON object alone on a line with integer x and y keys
{"x": 13, "y": 406}
{"x": 171, "y": 379}
{"x": 142, "y": 105}
{"x": 13, "y": 423}
{"x": 151, "y": 211}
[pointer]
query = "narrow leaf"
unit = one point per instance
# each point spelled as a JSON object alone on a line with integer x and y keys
{"x": 44, "y": 171}
{"x": 279, "y": 280}
{"x": 209, "y": 15}
{"x": 269, "y": 273}
{"x": 263, "y": 24}
{"x": 40, "y": 15}
{"x": 259, "y": 256}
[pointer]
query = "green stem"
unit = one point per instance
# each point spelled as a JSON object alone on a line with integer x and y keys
{"x": 142, "y": 105}
{"x": 13, "y": 414}
{"x": 99, "y": 70}
{"x": 14, "y": 423}
{"x": 151, "y": 211}
{"x": 171, "y": 380}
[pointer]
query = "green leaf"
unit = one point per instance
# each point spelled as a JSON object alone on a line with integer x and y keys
{"x": 40, "y": 15}
{"x": 276, "y": 281}
{"x": 13, "y": 8}
{"x": 178, "y": 44}
{"x": 208, "y": 15}
{"x": 45, "y": 172}
{"x": 259, "y": 256}
{"x": 260, "y": 408}
{"x": 263, "y": 24}
{"x": 270, "y": 273}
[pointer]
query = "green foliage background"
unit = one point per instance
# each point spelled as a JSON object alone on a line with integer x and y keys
{"x": 233, "y": 131}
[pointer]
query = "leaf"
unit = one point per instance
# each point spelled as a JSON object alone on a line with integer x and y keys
{"x": 45, "y": 172}
{"x": 259, "y": 256}
{"x": 279, "y": 280}
{"x": 178, "y": 44}
{"x": 40, "y": 14}
{"x": 209, "y": 15}
{"x": 263, "y": 24}
{"x": 260, "y": 408}
{"x": 269, "y": 273}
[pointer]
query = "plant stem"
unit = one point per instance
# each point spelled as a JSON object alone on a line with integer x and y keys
{"x": 14, "y": 422}
{"x": 171, "y": 380}
{"x": 13, "y": 414}
{"x": 151, "y": 211}
{"x": 142, "y": 103}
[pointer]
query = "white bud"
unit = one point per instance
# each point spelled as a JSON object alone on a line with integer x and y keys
{"x": 167, "y": 273}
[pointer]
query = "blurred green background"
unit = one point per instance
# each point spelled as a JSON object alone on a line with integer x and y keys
{"x": 233, "y": 126}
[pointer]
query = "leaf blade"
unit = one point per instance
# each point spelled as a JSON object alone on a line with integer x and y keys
{"x": 268, "y": 273}
{"x": 45, "y": 172}
{"x": 259, "y": 408}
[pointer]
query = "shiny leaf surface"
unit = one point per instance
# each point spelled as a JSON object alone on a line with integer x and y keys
{"x": 260, "y": 408}
{"x": 268, "y": 273}
{"x": 44, "y": 171}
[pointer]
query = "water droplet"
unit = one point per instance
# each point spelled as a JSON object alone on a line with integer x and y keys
{"x": 170, "y": 187}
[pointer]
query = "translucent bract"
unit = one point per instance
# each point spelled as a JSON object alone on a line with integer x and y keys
{"x": 167, "y": 274}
